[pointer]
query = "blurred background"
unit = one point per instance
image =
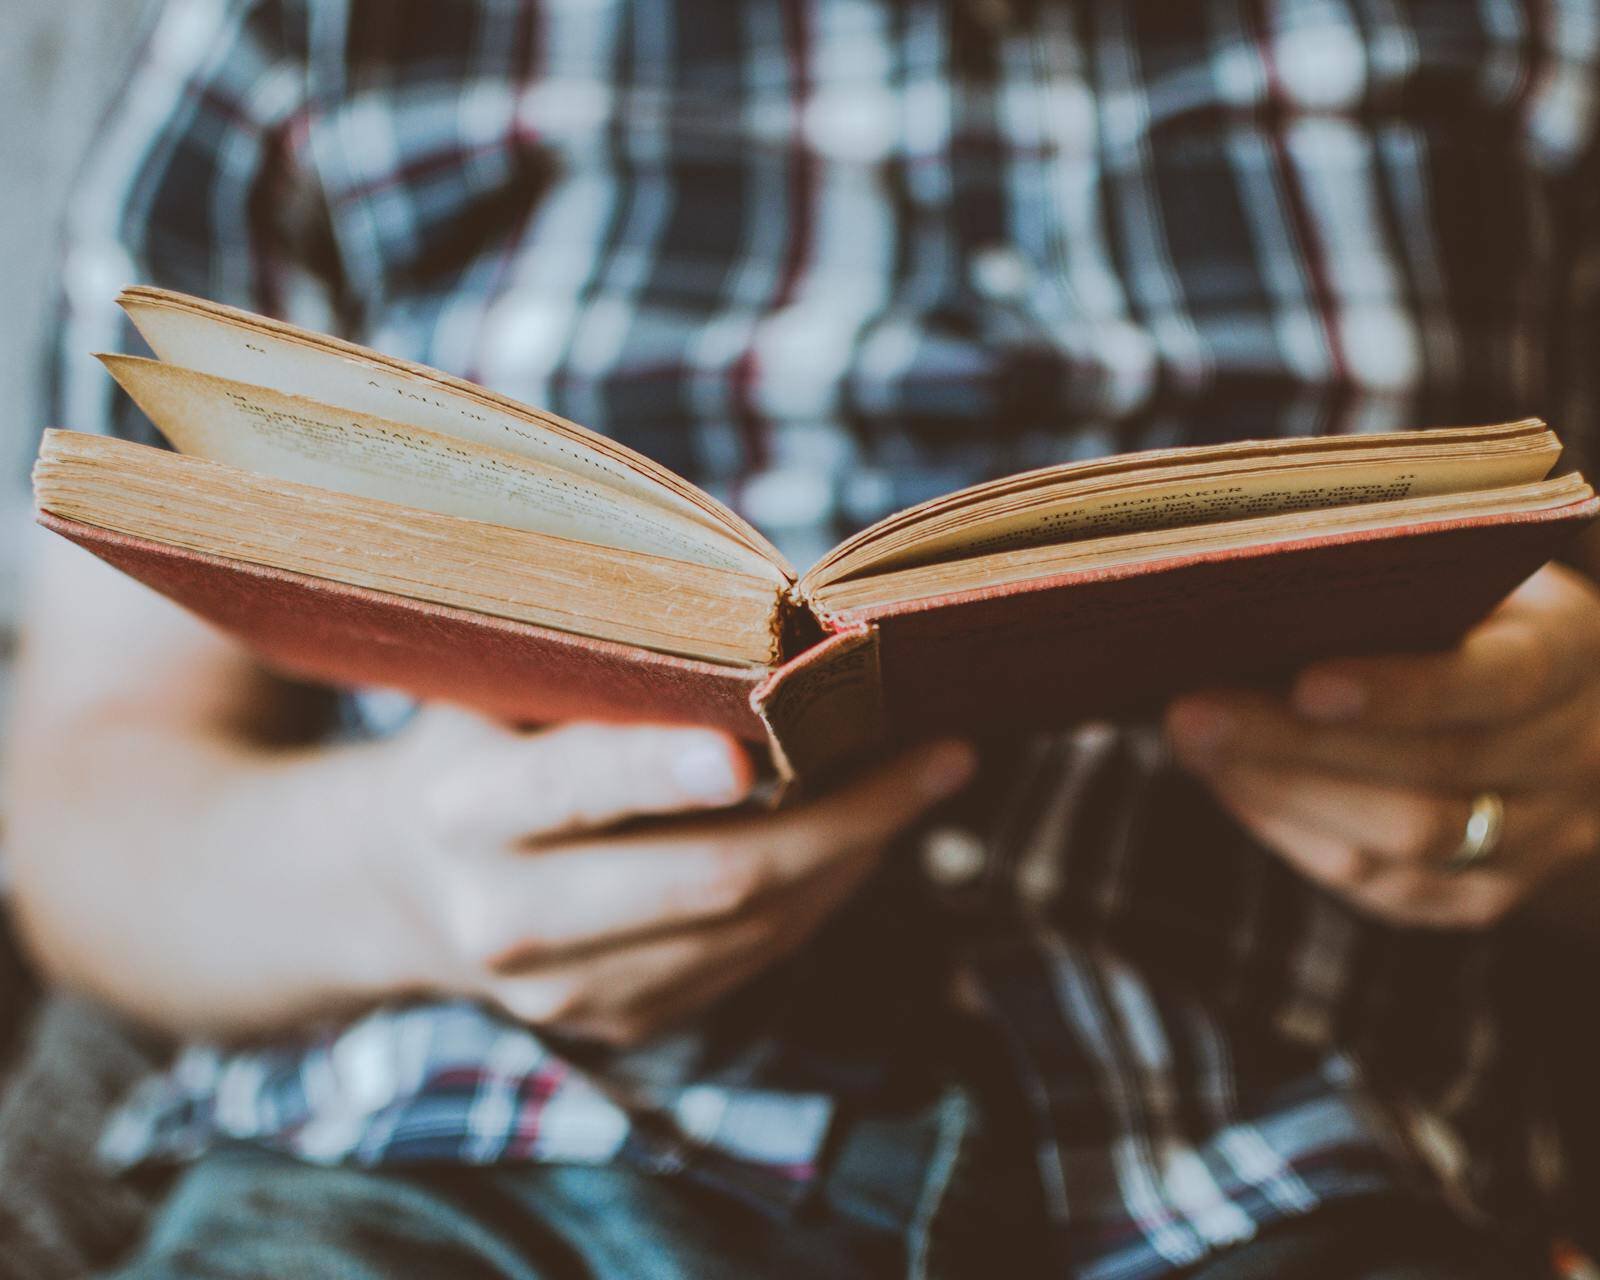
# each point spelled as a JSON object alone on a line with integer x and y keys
{"x": 60, "y": 62}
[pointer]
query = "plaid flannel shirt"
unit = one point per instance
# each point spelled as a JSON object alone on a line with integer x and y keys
{"x": 831, "y": 257}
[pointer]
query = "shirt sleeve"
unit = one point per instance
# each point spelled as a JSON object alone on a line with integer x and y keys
{"x": 195, "y": 182}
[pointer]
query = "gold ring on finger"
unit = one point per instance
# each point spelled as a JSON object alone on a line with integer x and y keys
{"x": 1485, "y": 825}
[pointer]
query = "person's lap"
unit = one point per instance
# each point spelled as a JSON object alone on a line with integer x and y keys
{"x": 940, "y": 1191}
{"x": 244, "y": 1213}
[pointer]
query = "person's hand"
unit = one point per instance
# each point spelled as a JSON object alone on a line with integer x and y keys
{"x": 515, "y": 884}
{"x": 1365, "y": 775}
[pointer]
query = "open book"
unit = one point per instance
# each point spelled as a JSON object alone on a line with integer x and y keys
{"x": 362, "y": 520}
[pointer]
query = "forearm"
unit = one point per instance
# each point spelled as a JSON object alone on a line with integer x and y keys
{"x": 197, "y": 883}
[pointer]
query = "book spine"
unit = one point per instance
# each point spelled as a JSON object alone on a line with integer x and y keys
{"x": 823, "y": 710}
{"x": 796, "y": 626}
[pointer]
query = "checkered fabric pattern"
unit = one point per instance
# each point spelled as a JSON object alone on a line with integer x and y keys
{"x": 831, "y": 257}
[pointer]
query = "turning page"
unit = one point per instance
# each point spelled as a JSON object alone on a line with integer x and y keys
{"x": 293, "y": 438}
{"x": 240, "y": 347}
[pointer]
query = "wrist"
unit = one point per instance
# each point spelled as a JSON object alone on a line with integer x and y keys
{"x": 386, "y": 877}
{"x": 331, "y": 810}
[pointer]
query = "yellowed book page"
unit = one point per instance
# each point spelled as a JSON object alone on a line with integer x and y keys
{"x": 997, "y": 569}
{"x": 1199, "y": 495}
{"x": 222, "y": 342}
{"x": 588, "y": 590}
{"x": 1151, "y": 465}
{"x": 296, "y": 439}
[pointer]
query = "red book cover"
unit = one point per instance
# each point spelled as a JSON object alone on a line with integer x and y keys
{"x": 335, "y": 634}
{"x": 1123, "y": 641}
{"x": 1034, "y": 655}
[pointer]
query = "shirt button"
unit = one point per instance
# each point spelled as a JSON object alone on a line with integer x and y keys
{"x": 953, "y": 857}
{"x": 1000, "y": 273}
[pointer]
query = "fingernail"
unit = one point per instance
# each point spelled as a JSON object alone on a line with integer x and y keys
{"x": 1200, "y": 728}
{"x": 705, "y": 769}
{"x": 949, "y": 768}
{"x": 1325, "y": 696}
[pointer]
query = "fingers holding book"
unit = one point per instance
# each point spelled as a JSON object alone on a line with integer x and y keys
{"x": 1432, "y": 790}
{"x": 531, "y": 881}
{"x": 491, "y": 784}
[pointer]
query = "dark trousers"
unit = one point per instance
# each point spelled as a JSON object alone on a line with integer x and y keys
{"x": 243, "y": 1213}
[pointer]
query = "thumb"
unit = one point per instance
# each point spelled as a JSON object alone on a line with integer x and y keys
{"x": 872, "y": 810}
{"x": 579, "y": 777}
